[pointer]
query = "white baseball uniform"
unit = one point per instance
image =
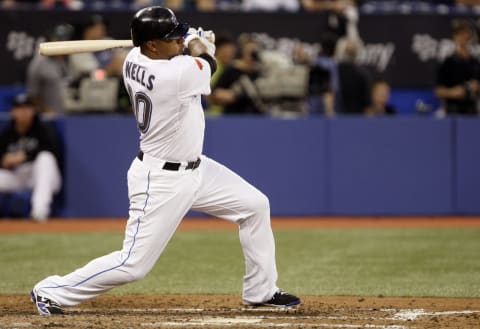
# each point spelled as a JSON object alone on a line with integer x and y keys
{"x": 166, "y": 96}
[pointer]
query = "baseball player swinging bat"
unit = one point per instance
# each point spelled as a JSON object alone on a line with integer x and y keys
{"x": 170, "y": 175}
{"x": 56, "y": 48}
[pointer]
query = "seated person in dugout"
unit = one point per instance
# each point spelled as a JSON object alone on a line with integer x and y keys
{"x": 28, "y": 158}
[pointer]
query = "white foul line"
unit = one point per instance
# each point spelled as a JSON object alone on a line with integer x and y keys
{"x": 227, "y": 322}
{"x": 413, "y": 314}
{"x": 193, "y": 310}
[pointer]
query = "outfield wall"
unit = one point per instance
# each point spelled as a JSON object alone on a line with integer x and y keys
{"x": 317, "y": 166}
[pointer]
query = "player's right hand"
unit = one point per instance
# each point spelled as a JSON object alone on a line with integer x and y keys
{"x": 207, "y": 38}
{"x": 192, "y": 34}
{"x": 209, "y": 34}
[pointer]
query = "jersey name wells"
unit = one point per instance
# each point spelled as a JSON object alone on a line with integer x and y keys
{"x": 138, "y": 73}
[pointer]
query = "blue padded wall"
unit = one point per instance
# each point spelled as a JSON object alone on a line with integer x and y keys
{"x": 389, "y": 166}
{"x": 316, "y": 166}
{"x": 99, "y": 151}
{"x": 285, "y": 159}
{"x": 467, "y": 165}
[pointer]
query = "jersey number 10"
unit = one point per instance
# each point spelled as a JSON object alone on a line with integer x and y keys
{"x": 142, "y": 106}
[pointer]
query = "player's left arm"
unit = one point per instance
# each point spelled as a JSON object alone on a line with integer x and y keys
{"x": 200, "y": 50}
{"x": 201, "y": 44}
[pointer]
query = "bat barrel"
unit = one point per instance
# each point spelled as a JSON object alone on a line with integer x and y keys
{"x": 56, "y": 48}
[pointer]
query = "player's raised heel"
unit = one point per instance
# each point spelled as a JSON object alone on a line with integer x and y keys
{"x": 280, "y": 299}
{"x": 44, "y": 305}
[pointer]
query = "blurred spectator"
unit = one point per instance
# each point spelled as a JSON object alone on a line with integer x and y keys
{"x": 12, "y": 4}
{"x": 354, "y": 81}
{"x": 342, "y": 20}
{"x": 206, "y": 5}
{"x": 28, "y": 158}
{"x": 271, "y": 5}
{"x": 226, "y": 49}
{"x": 380, "y": 98}
{"x": 61, "y": 4}
{"x": 172, "y": 4}
{"x": 301, "y": 56}
{"x": 342, "y": 15}
{"x": 97, "y": 71}
{"x": 468, "y": 2}
{"x": 229, "y": 5}
{"x": 47, "y": 76}
{"x": 95, "y": 28}
{"x": 235, "y": 89}
{"x": 8, "y": 4}
{"x": 46, "y": 4}
{"x": 96, "y": 4}
{"x": 324, "y": 80}
{"x": 458, "y": 77}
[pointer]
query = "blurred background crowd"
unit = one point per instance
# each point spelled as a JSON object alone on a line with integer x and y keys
{"x": 326, "y": 79}
{"x": 269, "y": 5}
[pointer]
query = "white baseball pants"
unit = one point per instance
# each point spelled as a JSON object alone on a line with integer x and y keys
{"x": 159, "y": 199}
{"x": 42, "y": 176}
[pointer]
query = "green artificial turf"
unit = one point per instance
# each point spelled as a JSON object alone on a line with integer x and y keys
{"x": 366, "y": 262}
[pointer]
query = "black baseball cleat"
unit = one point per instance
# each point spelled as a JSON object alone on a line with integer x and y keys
{"x": 281, "y": 299}
{"x": 44, "y": 305}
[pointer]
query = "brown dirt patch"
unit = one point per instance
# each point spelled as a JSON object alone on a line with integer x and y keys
{"x": 118, "y": 224}
{"x": 220, "y": 311}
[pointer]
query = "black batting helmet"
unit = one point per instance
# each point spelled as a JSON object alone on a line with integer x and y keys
{"x": 156, "y": 23}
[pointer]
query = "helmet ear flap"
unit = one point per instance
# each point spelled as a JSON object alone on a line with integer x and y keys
{"x": 134, "y": 39}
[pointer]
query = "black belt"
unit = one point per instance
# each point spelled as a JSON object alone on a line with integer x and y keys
{"x": 175, "y": 166}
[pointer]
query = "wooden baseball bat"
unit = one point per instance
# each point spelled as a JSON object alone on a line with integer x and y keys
{"x": 55, "y": 48}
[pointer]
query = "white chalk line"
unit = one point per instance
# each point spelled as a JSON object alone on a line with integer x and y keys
{"x": 181, "y": 311}
{"x": 398, "y": 314}
{"x": 257, "y": 322}
{"x": 19, "y": 325}
{"x": 413, "y": 314}
{"x": 228, "y": 322}
{"x": 195, "y": 310}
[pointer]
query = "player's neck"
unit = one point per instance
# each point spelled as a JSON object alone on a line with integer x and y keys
{"x": 153, "y": 55}
{"x": 158, "y": 54}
